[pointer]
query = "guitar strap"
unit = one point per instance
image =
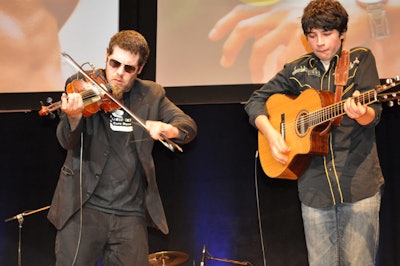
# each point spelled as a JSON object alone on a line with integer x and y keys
{"x": 341, "y": 74}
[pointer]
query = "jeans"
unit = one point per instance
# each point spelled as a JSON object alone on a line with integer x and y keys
{"x": 346, "y": 234}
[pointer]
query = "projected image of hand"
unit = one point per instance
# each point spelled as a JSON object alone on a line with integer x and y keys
{"x": 30, "y": 44}
{"x": 272, "y": 29}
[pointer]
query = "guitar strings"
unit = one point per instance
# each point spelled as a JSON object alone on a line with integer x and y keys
{"x": 336, "y": 110}
{"x": 327, "y": 113}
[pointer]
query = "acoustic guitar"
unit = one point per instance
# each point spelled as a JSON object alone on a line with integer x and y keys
{"x": 305, "y": 122}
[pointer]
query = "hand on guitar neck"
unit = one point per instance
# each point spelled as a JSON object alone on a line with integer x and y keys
{"x": 358, "y": 111}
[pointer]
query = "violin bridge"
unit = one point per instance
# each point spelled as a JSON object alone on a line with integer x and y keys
{"x": 91, "y": 100}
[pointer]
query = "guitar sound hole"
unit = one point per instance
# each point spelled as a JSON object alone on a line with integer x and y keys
{"x": 302, "y": 124}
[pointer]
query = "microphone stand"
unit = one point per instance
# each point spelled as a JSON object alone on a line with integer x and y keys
{"x": 228, "y": 261}
{"x": 20, "y": 218}
{"x": 207, "y": 256}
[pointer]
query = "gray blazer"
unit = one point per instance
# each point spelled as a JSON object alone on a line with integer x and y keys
{"x": 148, "y": 102}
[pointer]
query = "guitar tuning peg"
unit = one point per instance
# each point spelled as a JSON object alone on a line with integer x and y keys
{"x": 49, "y": 100}
{"x": 390, "y": 103}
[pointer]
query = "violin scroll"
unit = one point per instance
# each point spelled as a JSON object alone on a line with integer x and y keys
{"x": 49, "y": 109}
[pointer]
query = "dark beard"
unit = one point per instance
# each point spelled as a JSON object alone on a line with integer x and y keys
{"x": 117, "y": 92}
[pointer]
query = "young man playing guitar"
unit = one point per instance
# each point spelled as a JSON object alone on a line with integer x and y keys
{"x": 340, "y": 181}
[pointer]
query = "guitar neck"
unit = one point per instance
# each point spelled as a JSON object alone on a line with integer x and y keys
{"x": 335, "y": 110}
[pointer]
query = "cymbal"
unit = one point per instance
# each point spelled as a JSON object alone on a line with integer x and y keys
{"x": 167, "y": 258}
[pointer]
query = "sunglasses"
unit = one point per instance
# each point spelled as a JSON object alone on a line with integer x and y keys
{"x": 116, "y": 64}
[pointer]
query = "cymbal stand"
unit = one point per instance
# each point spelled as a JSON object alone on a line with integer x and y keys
{"x": 20, "y": 218}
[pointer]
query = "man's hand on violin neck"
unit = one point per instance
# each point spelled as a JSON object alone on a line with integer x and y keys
{"x": 158, "y": 128}
{"x": 72, "y": 105}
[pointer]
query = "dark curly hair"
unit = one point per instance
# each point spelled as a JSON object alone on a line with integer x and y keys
{"x": 131, "y": 41}
{"x": 326, "y": 15}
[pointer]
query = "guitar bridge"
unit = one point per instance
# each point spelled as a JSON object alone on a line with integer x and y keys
{"x": 282, "y": 126}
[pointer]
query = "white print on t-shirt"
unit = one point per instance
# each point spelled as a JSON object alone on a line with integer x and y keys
{"x": 120, "y": 121}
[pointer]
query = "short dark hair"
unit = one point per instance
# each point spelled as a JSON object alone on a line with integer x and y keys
{"x": 326, "y": 15}
{"x": 131, "y": 41}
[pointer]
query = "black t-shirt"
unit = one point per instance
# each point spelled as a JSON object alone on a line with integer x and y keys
{"x": 121, "y": 186}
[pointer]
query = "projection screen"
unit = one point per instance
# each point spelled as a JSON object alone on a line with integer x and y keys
{"x": 254, "y": 39}
{"x": 34, "y": 33}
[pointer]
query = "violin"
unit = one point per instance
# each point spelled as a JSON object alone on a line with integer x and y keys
{"x": 93, "y": 99}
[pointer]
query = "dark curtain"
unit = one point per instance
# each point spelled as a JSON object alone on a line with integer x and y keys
{"x": 210, "y": 192}
{"x": 389, "y": 153}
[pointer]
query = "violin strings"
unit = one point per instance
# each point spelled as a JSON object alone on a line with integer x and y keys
{"x": 89, "y": 96}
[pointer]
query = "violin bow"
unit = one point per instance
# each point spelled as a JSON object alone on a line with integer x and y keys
{"x": 172, "y": 146}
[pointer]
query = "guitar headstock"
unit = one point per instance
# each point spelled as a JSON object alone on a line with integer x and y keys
{"x": 390, "y": 98}
{"x": 389, "y": 83}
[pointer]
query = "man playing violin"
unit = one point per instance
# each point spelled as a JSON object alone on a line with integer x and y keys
{"x": 107, "y": 194}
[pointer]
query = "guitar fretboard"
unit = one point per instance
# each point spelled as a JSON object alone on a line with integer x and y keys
{"x": 335, "y": 110}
